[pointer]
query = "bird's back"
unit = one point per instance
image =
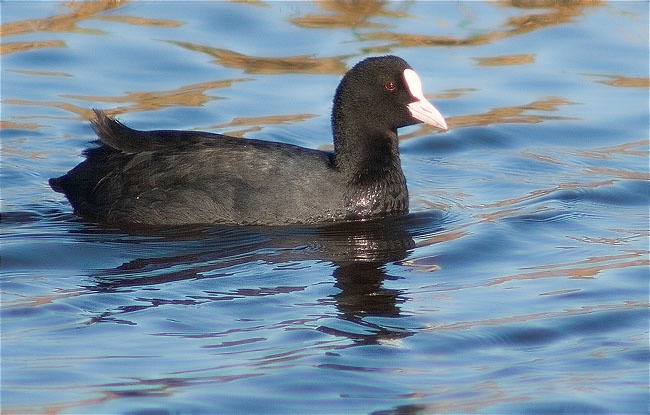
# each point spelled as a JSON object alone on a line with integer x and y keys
{"x": 176, "y": 177}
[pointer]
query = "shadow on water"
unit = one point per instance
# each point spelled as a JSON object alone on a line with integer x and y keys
{"x": 358, "y": 251}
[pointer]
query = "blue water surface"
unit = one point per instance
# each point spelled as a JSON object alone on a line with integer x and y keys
{"x": 518, "y": 283}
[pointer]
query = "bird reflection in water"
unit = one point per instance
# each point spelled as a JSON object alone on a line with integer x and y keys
{"x": 361, "y": 253}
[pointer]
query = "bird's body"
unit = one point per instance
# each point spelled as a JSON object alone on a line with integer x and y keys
{"x": 167, "y": 177}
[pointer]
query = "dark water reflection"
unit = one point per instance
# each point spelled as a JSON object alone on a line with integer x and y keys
{"x": 358, "y": 252}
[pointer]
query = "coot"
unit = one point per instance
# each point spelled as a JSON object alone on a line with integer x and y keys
{"x": 168, "y": 177}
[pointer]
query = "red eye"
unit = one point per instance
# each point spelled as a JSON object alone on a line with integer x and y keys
{"x": 390, "y": 86}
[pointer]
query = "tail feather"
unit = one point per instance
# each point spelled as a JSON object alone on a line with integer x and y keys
{"x": 117, "y": 135}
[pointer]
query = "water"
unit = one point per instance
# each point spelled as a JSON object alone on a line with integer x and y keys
{"x": 518, "y": 283}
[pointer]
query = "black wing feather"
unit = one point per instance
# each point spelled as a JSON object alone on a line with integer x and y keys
{"x": 118, "y": 136}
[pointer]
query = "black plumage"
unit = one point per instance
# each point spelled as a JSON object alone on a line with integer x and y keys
{"x": 168, "y": 177}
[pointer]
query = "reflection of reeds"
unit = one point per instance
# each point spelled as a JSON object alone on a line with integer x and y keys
{"x": 502, "y": 115}
{"x": 61, "y": 23}
{"x": 80, "y": 11}
{"x": 67, "y": 22}
{"x": 340, "y": 14}
{"x": 188, "y": 95}
{"x": 17, "y": 126}
{"x": 192, "y": 95}
{"x": 253, "y": 124}
{"x": 588, "y": 268}
{"x": 514, "y": 114}
{"x": 336, "y": 14}
{"x": 625, "y": 81}
{"x": 559, "y": 13}
{"x": 345, "y": 14}
{"x": 25, "y": 46}
{"x": 625, "y": 149}
{"x": 142, "y": 21}
{"x": 467, "y": 325}
{"x": 506, "y": 60}
{"x": 270, "y": 65}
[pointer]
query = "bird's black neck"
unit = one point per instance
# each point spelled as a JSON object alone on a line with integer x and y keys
{"x": 365, "y": 154}
{"x": 371, "y": 167}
